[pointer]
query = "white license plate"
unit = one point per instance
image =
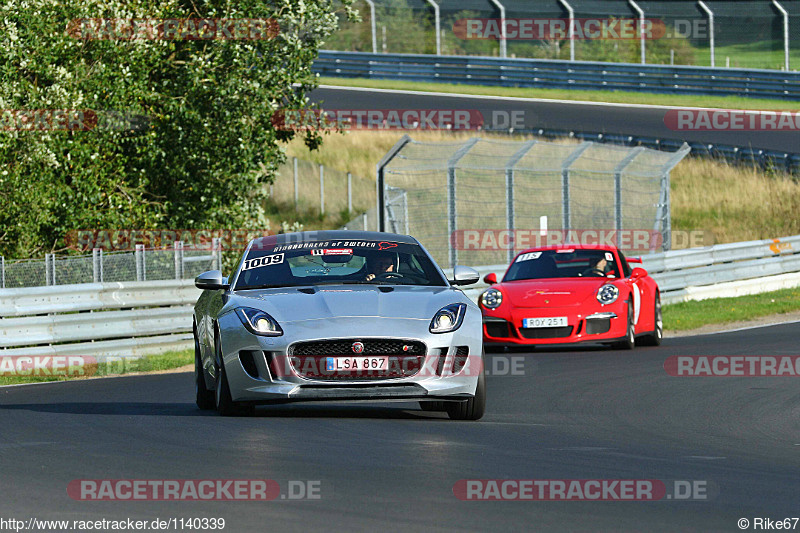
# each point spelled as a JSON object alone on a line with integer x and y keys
{"x": 545, "y": 322}
{"x": 351, "y": 364}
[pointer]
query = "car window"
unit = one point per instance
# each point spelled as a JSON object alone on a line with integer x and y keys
{"x": 626, "y": 268}
{"x": 331, "y": 262}
{"x": 563, "y": 263}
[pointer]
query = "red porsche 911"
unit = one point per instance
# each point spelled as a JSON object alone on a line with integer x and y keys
{"x": 571, "y": 294}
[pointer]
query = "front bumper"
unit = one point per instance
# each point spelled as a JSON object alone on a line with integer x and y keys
{"x": 261, "y": 369}
{"x": 600, "y": 324}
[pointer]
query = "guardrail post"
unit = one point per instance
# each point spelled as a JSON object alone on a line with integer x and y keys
{"x": 97, "y": 265}
{"x": 141, "y": 272}
{"x": 364, "y": 219}
{"x": 349, "y": 192}
{"x": 50, "y": 269}
{"x": 178, "y": 246}
{"x": 2, "y": 272}
{"x": 295, "y": 181}
{"x": 216, "y": 252}
{"x": 321, "y": 189}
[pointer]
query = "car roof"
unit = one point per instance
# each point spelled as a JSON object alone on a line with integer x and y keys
{"x": 330, "y": 235}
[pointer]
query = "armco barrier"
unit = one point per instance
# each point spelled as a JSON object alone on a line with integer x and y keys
{"x": 556, "y": 74}
{"x": 130, "y": 319}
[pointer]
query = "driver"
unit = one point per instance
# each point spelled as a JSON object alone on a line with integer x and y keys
{"x": 598, "y": 269}
{"x": 380, "y": 265}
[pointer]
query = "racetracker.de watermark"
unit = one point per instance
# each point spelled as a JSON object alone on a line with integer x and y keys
{"x": 733, "y": 365}
{"x": 177, "y": 29}
{"x": 54, "y": 120}
{"x": 549, "y": 29}
{"x": 380, "y": 119}
{"x": 731, "y": 120}
{"x": 127, "y": 239}
{"x": 581, "y": 489}
{"x": 192, "y": 490}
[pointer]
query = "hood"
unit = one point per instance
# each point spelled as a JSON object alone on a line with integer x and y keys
{"x": 551, "y": 292}
{"x": 328, "y": 301}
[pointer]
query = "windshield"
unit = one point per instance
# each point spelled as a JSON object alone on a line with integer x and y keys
{"x": 563, "y": 263}
{"x": 338, "y": 262}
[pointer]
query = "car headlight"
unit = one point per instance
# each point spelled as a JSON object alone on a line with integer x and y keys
{"x": 607, "y": 294}
{"x": 448, "y": 318}
{"x": 492, "y": 299}
{"x": 259, "y": 322}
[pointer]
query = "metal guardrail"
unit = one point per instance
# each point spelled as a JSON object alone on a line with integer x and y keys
{"x": 555, "y": 74}
{"x": 136, "y": 318}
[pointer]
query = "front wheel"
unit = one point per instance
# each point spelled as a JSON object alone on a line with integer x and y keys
{"x": 224, "y": 402}
{"x": 473, "y": 408}
{"x": 630, "y": 332}
{"x": 204, "y": 398}
{"x": 655, "y": 338}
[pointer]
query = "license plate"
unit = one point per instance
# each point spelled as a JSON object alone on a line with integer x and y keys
{"x": 545, "y": 322}
{"x": 351, "y": 364}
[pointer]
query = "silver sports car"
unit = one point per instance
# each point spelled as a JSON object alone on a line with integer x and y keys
{"x": 338, "y": 316}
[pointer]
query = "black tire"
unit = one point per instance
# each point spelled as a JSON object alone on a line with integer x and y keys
{"x": 655, "y": 338}
{"x": 630, "y": 337}
{"x": 473, "y": 408}
{"x": 203, "y": 397}
{"x": 431, "y": 406}
{"x": 222, "y": 396}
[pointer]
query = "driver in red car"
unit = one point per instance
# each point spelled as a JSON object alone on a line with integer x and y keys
{"x": 380, "y": 265}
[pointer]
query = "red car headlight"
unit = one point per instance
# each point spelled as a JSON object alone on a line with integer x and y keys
{"x": 491, "y": 299}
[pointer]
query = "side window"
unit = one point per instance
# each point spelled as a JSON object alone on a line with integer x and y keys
{"x": 626, "y": 269}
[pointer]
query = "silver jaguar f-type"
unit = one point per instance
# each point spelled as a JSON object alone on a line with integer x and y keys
{"x": 338, "y": 316}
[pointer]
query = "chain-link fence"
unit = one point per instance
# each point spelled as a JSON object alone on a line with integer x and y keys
{"x": 143, "y": 264}
{"x": 479, "y": 202}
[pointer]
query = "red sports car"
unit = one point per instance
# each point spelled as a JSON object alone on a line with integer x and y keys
{"x": 569, "y": 294}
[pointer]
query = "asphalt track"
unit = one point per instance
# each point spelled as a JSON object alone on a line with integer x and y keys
{"x": 638, "y": 120}
{"x": 587, "y": 414}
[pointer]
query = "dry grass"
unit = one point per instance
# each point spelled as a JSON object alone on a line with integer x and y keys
{"x": 732, "y": 203}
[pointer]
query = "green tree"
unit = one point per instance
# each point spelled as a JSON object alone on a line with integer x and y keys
{"x": 204, "y": 152}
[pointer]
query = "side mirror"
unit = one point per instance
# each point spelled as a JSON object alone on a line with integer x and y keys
{"x": 637, "y": 260}
{"x": 638, "y": 273}
{"x": 464, "y": 276}
{"x": 211, "y": 281}
{"x": 491, "y": 278}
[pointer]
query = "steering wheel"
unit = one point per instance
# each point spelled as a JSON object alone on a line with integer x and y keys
{"x": 385, "y": 276}
{"x": 593, "y": 272}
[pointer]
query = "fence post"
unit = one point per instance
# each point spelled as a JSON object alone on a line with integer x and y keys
{"x": 349, "y": 192}
{"x": 139, "y": 260}
{"x": 510, "y": 164}
{"x": 364, "y": 218}
{"x": 216, "y": 252}
{"x": 178, "y": 245}
{"x": 321, "y": 189}
{"x": 50, "y": 269}
{"x": 97, "y": 265}
{"x": 452, "y": 220}
{"x": 2, "y": 272}
{"x": 566, "y": 213}
{"x": 295, "y": 181}
{"x": 618, "y": 191}
{"x": 710, "y": 14}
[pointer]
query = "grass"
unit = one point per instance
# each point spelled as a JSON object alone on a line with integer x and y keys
{"x": 692, "y": 315}
{"x": 762, "y": 54}
{"x": 112, "y": 367}
{"x": 725, "y": 102}
{"x": 725, "y": 203}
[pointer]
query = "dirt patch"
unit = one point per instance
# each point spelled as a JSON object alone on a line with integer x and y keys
{"x": 768, "y": 320}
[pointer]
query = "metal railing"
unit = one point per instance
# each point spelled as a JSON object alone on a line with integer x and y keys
{"x": 130, "y": 319}
{"x": 555, "y": 74}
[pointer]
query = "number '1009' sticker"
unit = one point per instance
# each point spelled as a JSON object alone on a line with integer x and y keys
{"x": 267, "y": 260}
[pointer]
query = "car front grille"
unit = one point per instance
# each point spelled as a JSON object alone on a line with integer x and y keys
{"x": 546, "y": 333}
{"x": 371, "y": 347}
{"x": 406, "y": 358}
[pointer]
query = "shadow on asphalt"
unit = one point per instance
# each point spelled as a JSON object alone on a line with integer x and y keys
{"x": 264, "y": 411}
